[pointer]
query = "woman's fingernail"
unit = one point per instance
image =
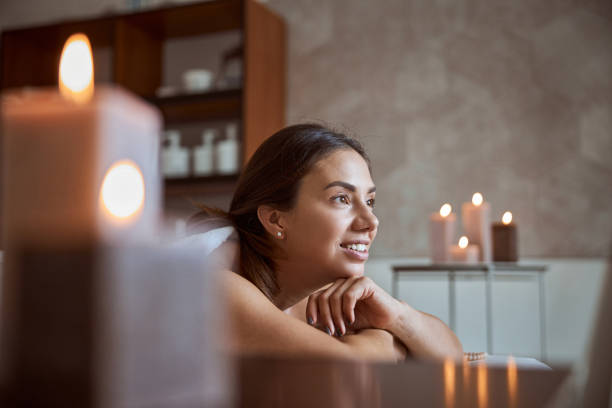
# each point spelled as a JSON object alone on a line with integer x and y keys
{"x": 310, "y": 321}
{"x": 338, "y": 333}
{"x": 328, "y": 330}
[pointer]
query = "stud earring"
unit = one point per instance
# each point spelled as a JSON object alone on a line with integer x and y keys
{"x": 279, "y": 234}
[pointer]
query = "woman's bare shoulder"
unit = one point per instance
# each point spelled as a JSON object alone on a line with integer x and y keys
{"x": 236, "y": 286}
{"x": 248, "y": 306}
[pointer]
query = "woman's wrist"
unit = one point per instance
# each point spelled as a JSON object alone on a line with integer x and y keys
{"x": 407, "y": 321}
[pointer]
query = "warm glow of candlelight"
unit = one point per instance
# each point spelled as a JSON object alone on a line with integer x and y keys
{"x": 445, "y": 210}
{"x": 507, "y": 218}
{"x": 122, "y": 194}
{"x": 449, "y": 383}
{"x": 466, "y": 374}
{"x": 482, "y": 386}
{"x": 477, "y": 199}
{"x": 463, "y": 242}
{"x": 76, "y": 75}
{"x": 512, "y": 381}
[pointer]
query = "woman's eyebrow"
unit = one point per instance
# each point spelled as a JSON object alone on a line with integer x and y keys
{"x": 346, "y": 185}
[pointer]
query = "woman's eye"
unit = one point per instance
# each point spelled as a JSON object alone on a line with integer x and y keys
{"x": 341, "y": 199}
{"x": 371, "y": 202}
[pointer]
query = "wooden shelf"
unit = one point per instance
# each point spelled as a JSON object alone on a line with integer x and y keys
{"x": 225, "y": 104}
{"x": 135, "y": 42}
{"x": 189, "y": 186}
{"x": 191, "y": 19}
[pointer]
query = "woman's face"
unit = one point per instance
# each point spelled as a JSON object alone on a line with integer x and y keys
{"x": 333, "y": 224}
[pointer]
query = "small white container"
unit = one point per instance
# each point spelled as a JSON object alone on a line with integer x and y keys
{"x": 166, "y": 91}
{"x": 174, "y": 158}
{"x": 226, "y": 151}
{"x": 203, "y": 154}
{"x": 197, "y": 80}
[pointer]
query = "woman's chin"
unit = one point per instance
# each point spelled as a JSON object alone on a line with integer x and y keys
{"x": 353, "y": 271}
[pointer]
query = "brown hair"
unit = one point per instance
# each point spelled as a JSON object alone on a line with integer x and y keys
{"x": 273, "y": 177}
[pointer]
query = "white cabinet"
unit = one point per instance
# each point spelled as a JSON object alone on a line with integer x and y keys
{"x": 512, "y": 303}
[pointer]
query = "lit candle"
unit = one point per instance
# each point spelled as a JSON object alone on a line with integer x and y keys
{"x": 441, "y": 233}
{"x": 476, "y": 223}
{"x": 463, "y": 252}
{"x": 505, "y": 248}
{"x": 82, "y": 273}
{"x": 80, "y": 165}
{"x": 79, "y": 170}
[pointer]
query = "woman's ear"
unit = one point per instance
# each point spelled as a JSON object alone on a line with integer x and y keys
{"x": 272, "y": 220}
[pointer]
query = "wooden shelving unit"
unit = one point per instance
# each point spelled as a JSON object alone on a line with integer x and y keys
{"x": 225, "y": 104}
{"x": 201, "y": 185}
{"x": 30, "y": 57}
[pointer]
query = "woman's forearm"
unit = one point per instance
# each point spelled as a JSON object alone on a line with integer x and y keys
{"x": 376, "y": 345}
{"x": 425, "y": 335}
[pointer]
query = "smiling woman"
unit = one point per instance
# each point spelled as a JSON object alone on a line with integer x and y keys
{"x": 304, "y": 213}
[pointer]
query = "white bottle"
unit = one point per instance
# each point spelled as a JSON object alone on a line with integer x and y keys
{"x": 226, "y": 151}
{"x": 174, "y": 158}
{"x": 203, "y": 154}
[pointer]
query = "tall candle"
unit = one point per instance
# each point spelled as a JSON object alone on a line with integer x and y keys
{"x": 464, "y": 252}
{"x": 476, "y": 223}
{"x": 505, "y": 248}
{"x": 441, "y": 233}
{"x": 79, "y": 165}
{"x": 79, "y": 169}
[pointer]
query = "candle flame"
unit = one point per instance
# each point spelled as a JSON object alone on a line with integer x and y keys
{"x": 122, "y": 193}
{"x": 477, "y": 199}
{"x": 507, "y": 218}
{"x": 463, "y": 242}
{"x": 445, "y": 210}
{"x": 76, "y": 69}
{"x": 512, "y": 381}
{"x": 449, "y": 382}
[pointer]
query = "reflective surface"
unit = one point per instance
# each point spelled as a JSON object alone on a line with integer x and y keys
{"x": 276, "y": 382}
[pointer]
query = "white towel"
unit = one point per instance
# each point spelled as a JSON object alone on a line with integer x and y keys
{"x": 208, "y": 241}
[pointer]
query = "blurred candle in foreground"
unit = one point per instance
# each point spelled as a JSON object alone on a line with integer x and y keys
{"x": 464, "y": 252}
{"x": 505, "y": 248}
{"x": 476, "y": 223}
{"x": 59, "y": 149}
{"x": 79, "y": 171}
{"x": 441, "y": 233}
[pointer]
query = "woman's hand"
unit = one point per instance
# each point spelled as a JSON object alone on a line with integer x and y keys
{"x": 355, "y": 302}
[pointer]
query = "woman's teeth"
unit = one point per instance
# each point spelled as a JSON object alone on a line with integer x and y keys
{"x": 356, "y": 247}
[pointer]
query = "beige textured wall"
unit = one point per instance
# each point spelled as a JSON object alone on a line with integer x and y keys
{"x": 510, "y": 98}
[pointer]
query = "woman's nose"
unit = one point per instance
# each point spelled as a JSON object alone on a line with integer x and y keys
{"x": 366, "y": 220}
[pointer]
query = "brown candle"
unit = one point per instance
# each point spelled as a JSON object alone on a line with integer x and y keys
{"x": 505, "y": 248}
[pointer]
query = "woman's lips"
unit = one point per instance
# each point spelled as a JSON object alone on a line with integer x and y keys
{"x": 356, "y": 255}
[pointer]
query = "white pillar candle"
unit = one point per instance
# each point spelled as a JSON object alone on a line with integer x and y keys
{"x": 441, "y": 233}
{"x": 79, "y": 166}
{"x": 463, "y": 252}
{"x": 477, "y": 225}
